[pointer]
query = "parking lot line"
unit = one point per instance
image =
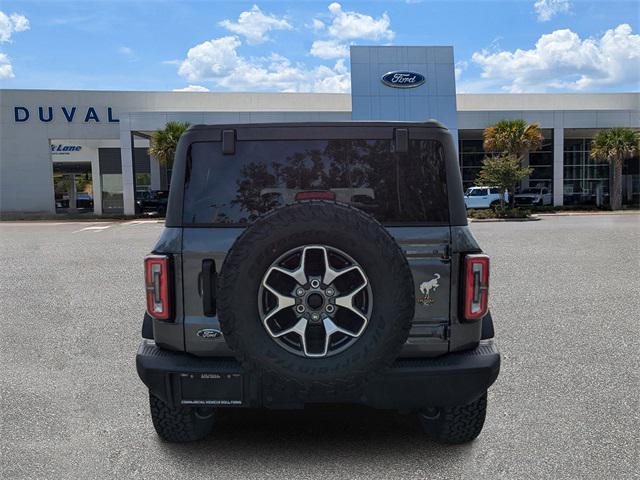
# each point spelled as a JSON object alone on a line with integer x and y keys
{"x": 94, "y": 228}
{"x": 141, "y": 222}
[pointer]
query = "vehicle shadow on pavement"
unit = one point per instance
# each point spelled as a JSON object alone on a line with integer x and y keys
{"x": 299, "y": 435}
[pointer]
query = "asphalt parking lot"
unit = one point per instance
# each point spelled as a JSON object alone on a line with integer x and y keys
{"x": 565, "y": 298}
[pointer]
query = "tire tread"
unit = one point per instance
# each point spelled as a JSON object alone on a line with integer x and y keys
{"x": 177, "y": 424}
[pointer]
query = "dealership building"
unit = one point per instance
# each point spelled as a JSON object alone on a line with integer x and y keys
{"x": 64, "y": 151}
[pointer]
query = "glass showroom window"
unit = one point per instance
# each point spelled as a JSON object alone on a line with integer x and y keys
{"x": 471, "y": 156}
{"x": 541, "y": 161}
{"x": 111, "y": 177}
{"x": 586, "y": 181}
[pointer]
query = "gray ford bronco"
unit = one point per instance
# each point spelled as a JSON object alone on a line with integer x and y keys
{"x": 311, "y": 263}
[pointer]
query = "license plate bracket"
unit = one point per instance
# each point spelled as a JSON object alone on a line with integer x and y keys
{"x": 213, "y": 388}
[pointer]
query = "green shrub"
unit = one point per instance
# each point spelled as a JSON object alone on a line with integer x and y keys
{"x": 499, "y": 213}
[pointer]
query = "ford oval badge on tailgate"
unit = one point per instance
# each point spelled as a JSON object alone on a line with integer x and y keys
{"x": 209, "y": 333}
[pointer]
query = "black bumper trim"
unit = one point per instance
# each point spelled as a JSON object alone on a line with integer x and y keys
{"x": 409, "y": 384}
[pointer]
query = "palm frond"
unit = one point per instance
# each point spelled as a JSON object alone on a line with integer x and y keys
{"x": 164, "y": 142}
{"x": 615, "y": 145}
{"x": 513, "y": 137}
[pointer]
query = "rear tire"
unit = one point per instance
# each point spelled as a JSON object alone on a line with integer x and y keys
{"x": 181, "y": 424}
{"x": 494, "y": 205}
{"x": 455, "y": 425}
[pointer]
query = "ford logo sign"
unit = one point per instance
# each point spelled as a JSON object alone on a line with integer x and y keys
{"x": 401, "y": 79}
{"x": 209, "y": 333}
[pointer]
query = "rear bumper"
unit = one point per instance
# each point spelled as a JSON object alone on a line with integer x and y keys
{"x": 409, "y": 384}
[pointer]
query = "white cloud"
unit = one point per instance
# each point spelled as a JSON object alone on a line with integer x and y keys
{"x": 561, "y": 60}
{"x": 126, "y": 51}
{"x": 328, "y": 49}
{"x": 218, "y": 61}
{"x": 547, "y": 9}
{"x": 317, "y": 25}
{"x": 210, "y": 60}
{"x": 6, "y": 70}
{"x": 347, "y": 25}
{"x": 255, "y": 24}
{"x": 10, "y": 24}
{"x": 192, "y": 88}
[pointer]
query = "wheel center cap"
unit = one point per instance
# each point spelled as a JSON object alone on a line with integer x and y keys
{"x": 315, "y": 301}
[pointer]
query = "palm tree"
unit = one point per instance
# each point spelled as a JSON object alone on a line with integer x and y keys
{"x": 164, "y": 142}
{"x": 615, "y": 145}
{"x": 512, "y": 139}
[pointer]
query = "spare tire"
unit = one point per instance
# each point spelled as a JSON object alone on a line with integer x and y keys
{"x": 317, "y": 293}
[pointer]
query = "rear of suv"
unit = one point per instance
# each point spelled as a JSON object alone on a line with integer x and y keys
{"x": 311, "y": 263}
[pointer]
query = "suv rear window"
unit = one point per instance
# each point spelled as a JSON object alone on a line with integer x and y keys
{"x": 395, "y": 188}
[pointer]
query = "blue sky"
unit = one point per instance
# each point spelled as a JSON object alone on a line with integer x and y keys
{"x": 500, "y": 46}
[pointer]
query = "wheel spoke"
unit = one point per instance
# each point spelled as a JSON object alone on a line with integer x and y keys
{"x": 331, "y": 274}
{"x": 298, "y": 274}
{"x": 346, "y": 301}
{"x": 331, "y": 328}
{"x": 283, "y": 302}
{"x": 299, "y": 328}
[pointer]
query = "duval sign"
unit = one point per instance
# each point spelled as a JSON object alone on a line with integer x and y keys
{"x": 403, "y": 79}
{"x": 47, "y": 114}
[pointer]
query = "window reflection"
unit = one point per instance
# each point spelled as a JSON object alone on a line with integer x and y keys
{"x": 586, "y": 180}
{"x": 263, "y": 175}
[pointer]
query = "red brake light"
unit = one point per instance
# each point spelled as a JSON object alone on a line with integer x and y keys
{"x": 157, "y": 282}
{"x": 320, "y": 195}
{"x": 476, "y": 287}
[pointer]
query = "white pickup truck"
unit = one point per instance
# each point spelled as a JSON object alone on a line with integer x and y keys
{"x": 483, "y": 197}
{"x": 534, "y": 196}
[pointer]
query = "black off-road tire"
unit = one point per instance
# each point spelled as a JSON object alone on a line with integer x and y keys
{"x": 455, "y": 425}
{"x": 494, "y": 205}
{"x": 335, "y": 225}
{"x": 181, "y": 424}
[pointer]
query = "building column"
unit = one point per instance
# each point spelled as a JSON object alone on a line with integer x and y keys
{"x": 154, "y": 170}
{"x": 96, "y": 184}
{"x": 126, "y": 157}
{"x": 558, "y": 166}
{"x": 456, "y": 142}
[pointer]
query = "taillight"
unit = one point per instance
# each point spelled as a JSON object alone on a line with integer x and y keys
{"x": 476, "y": 287}
{"x": 157, "y": 283}
{"x": 317, "y": 195}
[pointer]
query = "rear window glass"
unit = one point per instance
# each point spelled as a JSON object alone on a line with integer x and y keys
{"x": 262, "y": 175}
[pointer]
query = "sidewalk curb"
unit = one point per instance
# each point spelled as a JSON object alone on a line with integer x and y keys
{"x": 576, "y": 214}
{"x": 492, "y": 220}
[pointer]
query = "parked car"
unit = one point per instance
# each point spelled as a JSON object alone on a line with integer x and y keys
{"x": 84, "y": 200}
{"x": 152, "y": 201}
{"x": 534, "y": 196}
{"x": 264, "y": 291}
{"x": 483, "y": 197}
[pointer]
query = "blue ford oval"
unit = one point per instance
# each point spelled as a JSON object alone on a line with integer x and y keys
{"x": 402, "y": 79}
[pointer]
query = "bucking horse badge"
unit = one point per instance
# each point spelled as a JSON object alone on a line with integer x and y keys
{"x": 426, "y": 288}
